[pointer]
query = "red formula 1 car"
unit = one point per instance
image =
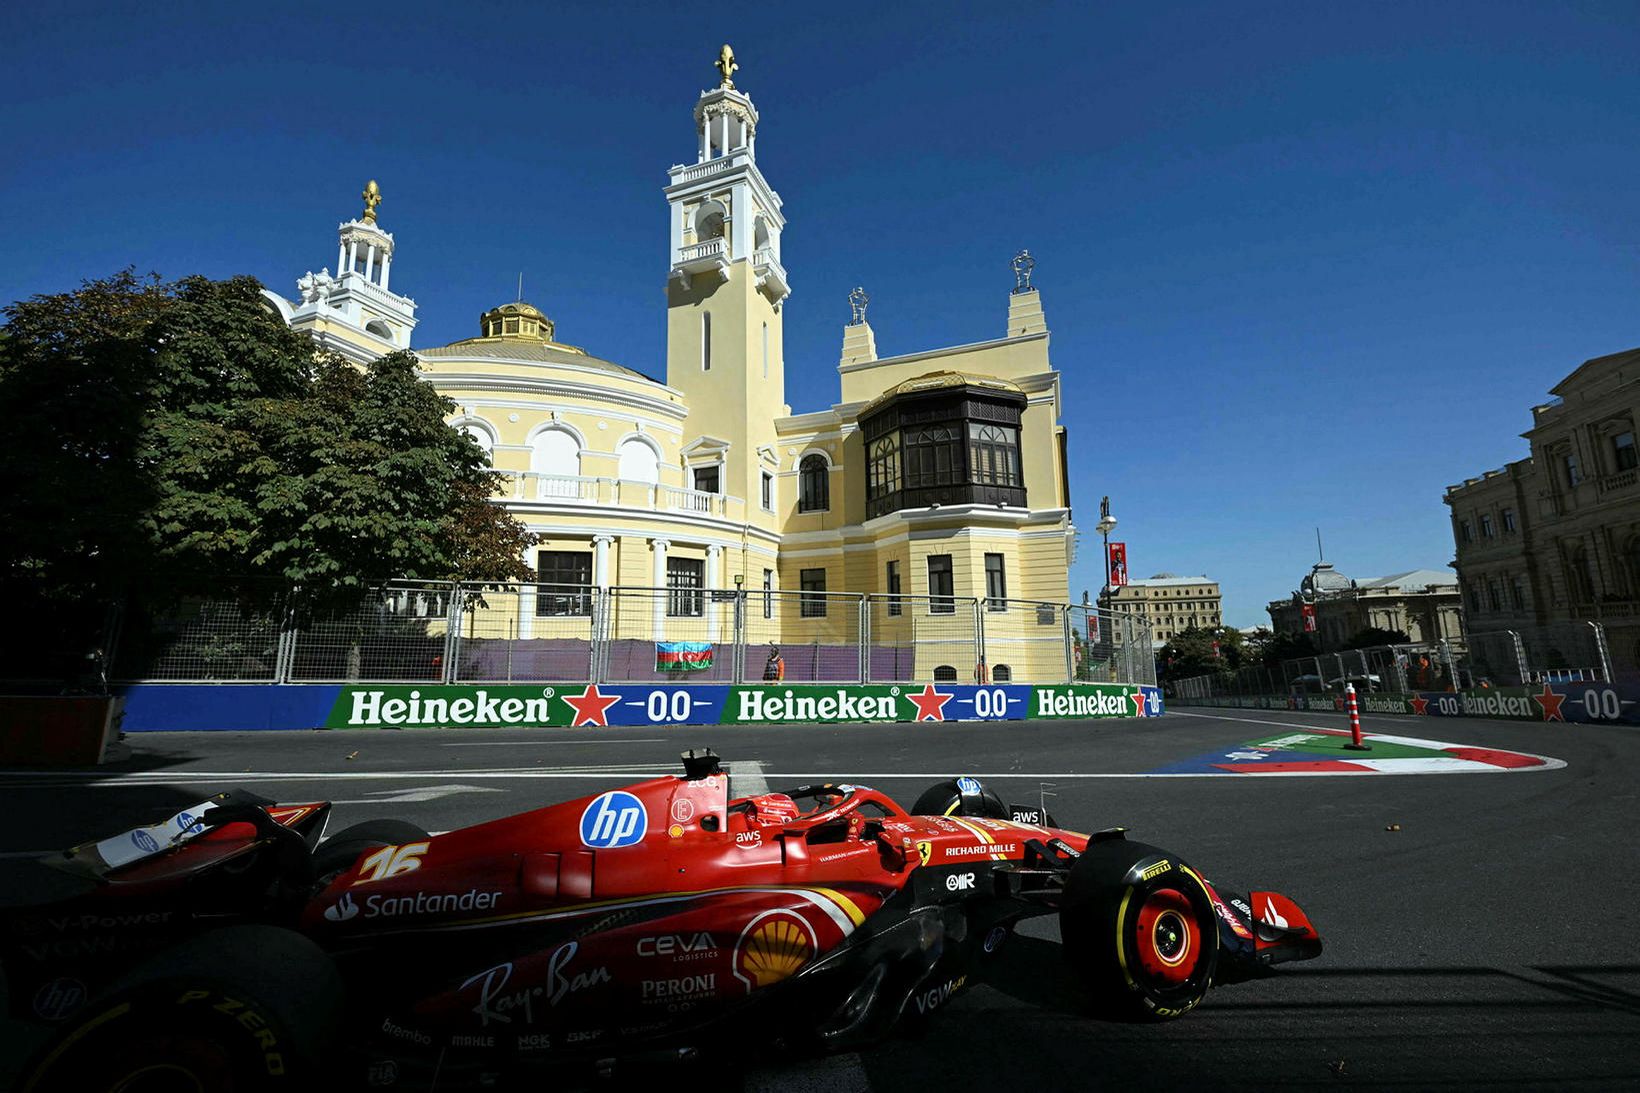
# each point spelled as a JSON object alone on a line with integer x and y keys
{"x": 228, "y": 948}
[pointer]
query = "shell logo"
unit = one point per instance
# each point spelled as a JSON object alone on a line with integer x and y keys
{"x": 774, "y": 946}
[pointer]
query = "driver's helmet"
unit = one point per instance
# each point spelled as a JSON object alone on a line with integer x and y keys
{"x": 772, "y": 810}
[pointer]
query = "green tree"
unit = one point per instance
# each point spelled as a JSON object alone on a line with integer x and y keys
{"x": 1202, "y": 651}
{"x": 1369, "y": 636}
{"x": 169, "y": 438}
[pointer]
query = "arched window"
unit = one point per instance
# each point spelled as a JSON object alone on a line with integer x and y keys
{"x": 933, "y": 456}
{"x": 709, "y": 222}
{"x": 945, "y": 674}
{"x": 1002, "y": 674}
{"x": 482, "y": 437}
{"x": 639, "y": 461}
{"x": 883, "y": 469}
{"x": 1631, "y": 560}
{"x": 380, "y": 329}
{"x": 994, "y": 454}
{"x": 555, "y": 458}
{"x": 1579, "y": 577}
{"x": 813, "y": 484}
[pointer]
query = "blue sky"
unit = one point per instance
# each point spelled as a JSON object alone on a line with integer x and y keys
{"x": 1303, "y": 264}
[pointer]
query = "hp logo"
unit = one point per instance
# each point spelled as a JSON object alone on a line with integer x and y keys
{"x": 968, "y": 787}
{"x": 615, "y": 819}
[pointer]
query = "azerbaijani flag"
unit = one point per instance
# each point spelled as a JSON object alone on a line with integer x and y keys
{"x": 683, "y": 656}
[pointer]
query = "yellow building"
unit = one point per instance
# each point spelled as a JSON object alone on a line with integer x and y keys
{"x": 938, "y": 477}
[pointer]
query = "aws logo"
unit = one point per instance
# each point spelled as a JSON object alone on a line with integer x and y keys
{"x": 774, "y": 946}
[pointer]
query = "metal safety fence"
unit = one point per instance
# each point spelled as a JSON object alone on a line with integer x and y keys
{"x": 447, "y": 632}
{"x": 1564, "y": 652}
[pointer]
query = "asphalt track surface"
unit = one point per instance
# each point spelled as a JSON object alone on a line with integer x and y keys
{"x": 1492, "y": 941}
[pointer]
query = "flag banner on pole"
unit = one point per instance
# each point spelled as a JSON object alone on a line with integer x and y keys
{"x": 683, "y": 656}
{"x": 1118, "y": 565}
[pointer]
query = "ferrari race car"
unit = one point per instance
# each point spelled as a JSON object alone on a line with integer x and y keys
{"x": 229, "y": 948}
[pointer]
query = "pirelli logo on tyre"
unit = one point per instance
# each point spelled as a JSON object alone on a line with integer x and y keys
{"x": 1155, "y": 870}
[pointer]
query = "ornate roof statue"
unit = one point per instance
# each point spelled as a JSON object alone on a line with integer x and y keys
{"x": 857, "y": 301}
{"x": 372, "y": 197}
{"x": 1023, "y": 264}
{"x": 726, "y": 67}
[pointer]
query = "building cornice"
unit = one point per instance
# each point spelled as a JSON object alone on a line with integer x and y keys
{"x": 910, "y": 358}
{"x": 562, "y": 388}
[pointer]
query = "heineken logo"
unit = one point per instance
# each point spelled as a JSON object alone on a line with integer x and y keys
{"x": 1051, "y": 702}
{"x": 842, "y": 704}
{"x": 1498, "y": 705}
{"x": 379, "y": 708}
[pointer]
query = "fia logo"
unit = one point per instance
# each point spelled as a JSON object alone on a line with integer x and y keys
{"x": 614, "y": 819}
{"x": 968, "y": 787}
{"x": 343, "y": 909}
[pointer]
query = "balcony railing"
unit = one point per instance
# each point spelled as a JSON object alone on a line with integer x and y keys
{"x": 696, "y": 252}
{"x": 617, "y": 493}
{"x": 1622, "y": 480}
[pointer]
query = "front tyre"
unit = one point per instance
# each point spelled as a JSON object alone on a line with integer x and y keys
{"x": 243, "y": 1009}
{"x": 1138, "y": 928}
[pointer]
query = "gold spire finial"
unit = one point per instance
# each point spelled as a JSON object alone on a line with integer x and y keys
{"x": 372, "y": 197}
{"x": 726, "y": 65}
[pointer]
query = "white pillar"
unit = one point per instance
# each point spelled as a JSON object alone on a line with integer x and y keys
{"x": 526, "y": 611}
{"x": 341, "y": 258}
{"x": 369, "y": 260}
{"x": 352, "y": 254}
{"x": 751, "y": 144}
{"x": 658, "y": 581}
{"x": 714, "y": 556}
{"x": 705, "y": 141}
{"x": 387, "y": 263}
{"x": 600, "y": 559}
{"x": 723, "y": 145}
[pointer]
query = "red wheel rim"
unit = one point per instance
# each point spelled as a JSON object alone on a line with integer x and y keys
{"x": 1169, "y": 939}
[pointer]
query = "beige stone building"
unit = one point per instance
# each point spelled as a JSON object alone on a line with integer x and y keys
{"x": 1169, "y": 603}
{"x": 1423, "y": 603}
{"x": 1550, "y": 543}
{"x": 934, "y": 476}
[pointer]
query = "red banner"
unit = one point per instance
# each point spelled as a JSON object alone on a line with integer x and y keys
{"x": 1118, "y": 565}
{"x": 1308, "y": 612}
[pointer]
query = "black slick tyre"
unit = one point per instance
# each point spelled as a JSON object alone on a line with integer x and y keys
{"x": 1139, "y": 929}
{"x": 944, "y": 799}
{"x": 244, "y": 1009}
{"x": 342, "y": 849}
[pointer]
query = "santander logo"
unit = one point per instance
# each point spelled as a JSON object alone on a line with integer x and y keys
{"x": 343, "y": 909}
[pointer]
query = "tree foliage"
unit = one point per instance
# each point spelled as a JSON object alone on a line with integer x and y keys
{"x": 1369, "y": 636}
{"x": 1202, "y": 651}
{"x": 177, "y": 437}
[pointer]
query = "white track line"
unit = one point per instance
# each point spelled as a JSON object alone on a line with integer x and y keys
{"x": 549, "y": 743}
{"x": 747, "y": 779}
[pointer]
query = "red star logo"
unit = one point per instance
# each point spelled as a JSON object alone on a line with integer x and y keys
{"x": 1138, "y": 703}
{"x": 1420, "y": 705}
{"x": 1551, "y": 704}
{"x": 930, "y": 704}
{"x": 591, "y": 708}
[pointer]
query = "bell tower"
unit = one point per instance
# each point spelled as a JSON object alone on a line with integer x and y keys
{"x": 725, "y": 290}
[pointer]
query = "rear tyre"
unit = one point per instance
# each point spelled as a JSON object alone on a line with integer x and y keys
{"x": 944, "y": 799}
{"x": 1139, "y": 929}
{"x": 244, "y": 1009}
{"x": 342, "y": 849}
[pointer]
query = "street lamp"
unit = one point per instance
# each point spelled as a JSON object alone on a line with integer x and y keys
{"x": 1106, "y": 525}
